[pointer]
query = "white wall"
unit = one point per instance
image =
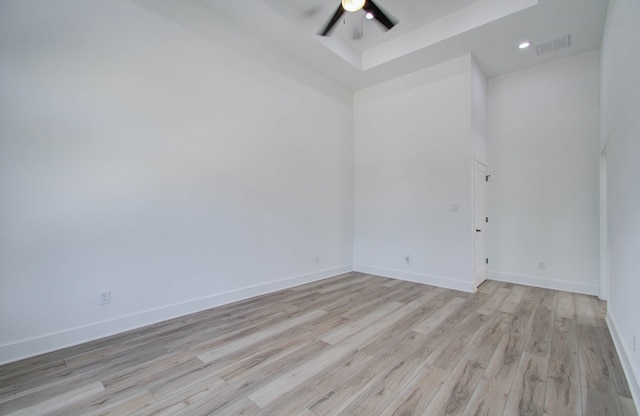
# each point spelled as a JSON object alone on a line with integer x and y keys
{"x": 141, "y": 156}
{"x": 413, "y": 158}
{"x": 543, "y": 142}
{"x": 621, "y": 126}
{"x": 479, "y": 113}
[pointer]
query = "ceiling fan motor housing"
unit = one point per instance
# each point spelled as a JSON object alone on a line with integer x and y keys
{"x": 353, "y": 5}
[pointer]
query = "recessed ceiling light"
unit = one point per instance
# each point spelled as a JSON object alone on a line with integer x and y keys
{"x": 524, "y": 45}
{"x": 369, "y": 16}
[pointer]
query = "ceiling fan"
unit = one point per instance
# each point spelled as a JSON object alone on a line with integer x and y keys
{"x": 354, "y": 6}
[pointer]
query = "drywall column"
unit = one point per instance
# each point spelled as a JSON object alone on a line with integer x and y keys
{"x": 621, "y": 127}
{"x": 543, "y": 142}
{"x": 413, "y": 198}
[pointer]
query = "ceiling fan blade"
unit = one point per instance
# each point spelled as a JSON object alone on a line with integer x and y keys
{"x": 312, "y": 11}
{"x": 379, "y": 15}
{"x": 336, "y": 16}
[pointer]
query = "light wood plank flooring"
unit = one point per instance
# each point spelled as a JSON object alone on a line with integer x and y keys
{"x": 351, "y": 345}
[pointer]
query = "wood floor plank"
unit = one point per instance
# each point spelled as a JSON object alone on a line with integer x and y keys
{"x": 205, "y": 338}
{"x": 469, "y": 307}
{"x": 152, "y": 371}
{"x": 360, "y": 309}
{"x": 253, "y": 357}
{"x": 9, "y": 377}
{"x": 170, "y": 402}
{"x": 19, "y": 407}
{"x": 412, "y": 293}
{"x": 40, "y": 364}
{"x": 627, "y": 406}
{"x": 540, "y": 332}
{"x": 347, "y": 299}
{"x": 7, "y": 392}
{"x": 268, "y": 394}
{"x": 438, "y": 315}
{"x": 597, "y": 403}
{"x": 563, "y": 355}
{"x": 407, "y": 309}
{"x": 563, "y": 396}
{"x": 613, "y": 363}
{"x": 136, "y": 403}
{"x": 600, "y": 309}
{"x": 513, "y": 299}
{"x": 418, "y": 393}
{"x": 344, "y": 331}
{"x": 566, "y": 305}
{"x": 243, "y": 407}
{"x": 529, "y": 386}
{"x": 256, "y": 337}
{"x": 594, "y": 371}
{"x": 490, "y": 396}
{"x": 188, "y": 391}
{"x": 447, "y": 354}
{"x": 484, "y": 345}
{"x": 371, "y": 402}
{"x": 392, "y": 348}
{"x": 307, "y": 393}
{"x": 252, "y": 363}
{"x": 288, "y": 381}
{"x": 229, "y": 393}
{"x": 489, "y": 286}
{"x": 494, "y": 301}
{"x": 178, "y": 384}
{"x": 485, "y": 401}
{"x": 585, "y": 312}
{"x": 395, "y": 334}
{"x": 453, "y": 396}
{"x": 338, "y": 398}
{"x": 523, "y": 316}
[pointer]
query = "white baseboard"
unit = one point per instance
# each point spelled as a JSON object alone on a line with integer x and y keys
{"x": 426, "y": 279}
{"x": 583, "y": 288}
{"x": 633, "y": 378}
{"x": 54, "y": 341}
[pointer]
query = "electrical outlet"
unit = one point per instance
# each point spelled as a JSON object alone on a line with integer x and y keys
{"x": 407, "y": 258}
{"x": 542, "y": 265}
{"x": 105, "y": 297}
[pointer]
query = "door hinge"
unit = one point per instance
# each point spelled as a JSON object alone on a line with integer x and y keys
{"x": 486, "y": 261}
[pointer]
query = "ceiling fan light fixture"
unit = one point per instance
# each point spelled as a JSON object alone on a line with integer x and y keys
{"x": 353, "y": 5}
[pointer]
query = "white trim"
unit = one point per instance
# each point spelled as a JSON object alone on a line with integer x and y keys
{"x": 54, "y": 341}
{"x": 545, "y": 283}
{"x": 444, "y": 282}
{"x": 629, "y": 371}
{"x": 604, "y": 226}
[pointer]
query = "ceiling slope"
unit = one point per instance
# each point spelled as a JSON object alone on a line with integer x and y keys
{"x": 429, "y": 32}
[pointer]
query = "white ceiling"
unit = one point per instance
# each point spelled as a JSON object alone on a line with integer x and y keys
{"x": 428, "y": 32}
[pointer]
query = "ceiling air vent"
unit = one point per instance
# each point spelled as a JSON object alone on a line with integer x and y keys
{"x": 553, "y": 45}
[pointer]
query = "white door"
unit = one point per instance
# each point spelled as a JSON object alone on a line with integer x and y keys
{"x": 480, "y": 223}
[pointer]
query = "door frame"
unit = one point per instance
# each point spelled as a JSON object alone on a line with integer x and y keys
{"x": 479, "y": 165}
